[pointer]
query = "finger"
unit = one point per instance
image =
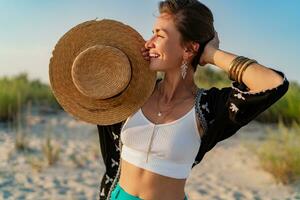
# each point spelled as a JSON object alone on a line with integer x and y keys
{"x": 144, "y": 49}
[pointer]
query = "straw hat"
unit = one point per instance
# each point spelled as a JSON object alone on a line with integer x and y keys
{"x": 98, "y": 74}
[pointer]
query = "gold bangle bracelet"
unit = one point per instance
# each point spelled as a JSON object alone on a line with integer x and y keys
{"x": 239, "y": 67}
{"x": 242, "y": 70}
{"x": 232, "y": 63}
{"x": 233, "y": 66}
{"x": 236, "y": 68}
{"x": 244, "y": 67}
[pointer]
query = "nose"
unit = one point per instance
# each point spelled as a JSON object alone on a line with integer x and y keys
{"x": 150, "y": 43}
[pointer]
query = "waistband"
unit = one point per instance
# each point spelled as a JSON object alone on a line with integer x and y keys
{"x": 120, "y": 194}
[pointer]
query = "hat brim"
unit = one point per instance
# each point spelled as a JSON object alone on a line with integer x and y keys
{"x": 100, "y": 111}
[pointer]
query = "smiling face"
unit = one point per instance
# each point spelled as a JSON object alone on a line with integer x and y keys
{"x": 166, "y": 52}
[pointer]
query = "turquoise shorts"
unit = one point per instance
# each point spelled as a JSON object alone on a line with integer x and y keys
{"x": 119, "y": 194}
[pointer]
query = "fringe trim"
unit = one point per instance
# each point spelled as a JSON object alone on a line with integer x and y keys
{"x": 199, "y": 111}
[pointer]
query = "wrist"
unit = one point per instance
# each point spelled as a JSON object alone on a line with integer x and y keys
{"x": 207, "y": 56}
{"x": 213, "y": 56}
{"x": 223, "y": 59}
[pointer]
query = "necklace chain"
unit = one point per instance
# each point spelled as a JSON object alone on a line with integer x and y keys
{"x": 160, "y": 113}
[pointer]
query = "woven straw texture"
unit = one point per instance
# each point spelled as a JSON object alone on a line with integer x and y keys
{"x": 98, "y": 74}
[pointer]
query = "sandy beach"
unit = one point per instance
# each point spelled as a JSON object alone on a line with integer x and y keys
{"x": 229, "y": 171}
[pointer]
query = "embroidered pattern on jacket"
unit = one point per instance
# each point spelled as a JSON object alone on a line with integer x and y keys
{"x": 233, "y": 108}
{"x": 205, "y": 107}
{"x": 239, "y": 96}
{"x": 115, "y": 136}
{"x": 114, "y": 163}
{"x": 117, "y": 148}
{"x": 108, "y": 179}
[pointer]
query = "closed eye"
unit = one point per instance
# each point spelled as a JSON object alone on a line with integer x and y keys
{"x": 157, "y": 35}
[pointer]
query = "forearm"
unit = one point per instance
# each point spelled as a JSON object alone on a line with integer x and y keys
{"x": 256, "y": 77}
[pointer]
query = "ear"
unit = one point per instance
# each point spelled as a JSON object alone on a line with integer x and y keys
{"x": 190, "y": 50}
{"x": 195, "y": 47}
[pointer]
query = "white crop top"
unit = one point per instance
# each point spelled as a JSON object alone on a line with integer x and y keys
{"x": 173, "y": 148}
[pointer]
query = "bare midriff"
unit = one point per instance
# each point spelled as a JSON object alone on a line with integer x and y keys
{"x": 148, "y": 185}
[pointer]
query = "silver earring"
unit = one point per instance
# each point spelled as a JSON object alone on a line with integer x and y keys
{"x": 184, "y": 68}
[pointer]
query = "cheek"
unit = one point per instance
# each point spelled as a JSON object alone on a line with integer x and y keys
{"x": 173, "y": 55}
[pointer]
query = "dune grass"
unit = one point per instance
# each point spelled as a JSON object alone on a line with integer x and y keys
{"x": 279, "y": 154}
{"x": 21, "y": 139}
{"x": 17, "y": 91}
{"x": 51, "y": 151}
{"x": 50, "y": 148}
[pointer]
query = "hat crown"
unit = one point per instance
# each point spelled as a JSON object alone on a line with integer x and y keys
{"x": 95, "y": 76}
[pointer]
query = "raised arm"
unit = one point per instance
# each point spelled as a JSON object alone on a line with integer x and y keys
{"x": 256, "y": 77}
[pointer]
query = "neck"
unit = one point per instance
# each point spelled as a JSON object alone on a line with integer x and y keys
{"x": 173, "y": 88}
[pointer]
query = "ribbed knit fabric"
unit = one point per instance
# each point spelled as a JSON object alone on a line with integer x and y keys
{"x": 173, "y": 149}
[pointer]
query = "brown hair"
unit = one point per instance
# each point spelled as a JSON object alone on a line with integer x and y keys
{"x": 193, "y": 20}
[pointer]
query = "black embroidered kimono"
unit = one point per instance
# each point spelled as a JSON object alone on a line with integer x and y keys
{"x": 221, "y": 112}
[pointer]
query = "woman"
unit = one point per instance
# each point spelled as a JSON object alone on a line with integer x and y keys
{"x": 153, "y": 151}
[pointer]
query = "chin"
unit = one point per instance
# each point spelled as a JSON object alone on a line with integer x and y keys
{"x": 156, "y": 66}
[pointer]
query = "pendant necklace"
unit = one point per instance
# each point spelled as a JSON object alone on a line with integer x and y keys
{"x": 159, "y": 113}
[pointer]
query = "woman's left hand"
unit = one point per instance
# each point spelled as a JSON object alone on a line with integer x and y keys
{"x": 209, "y": 51}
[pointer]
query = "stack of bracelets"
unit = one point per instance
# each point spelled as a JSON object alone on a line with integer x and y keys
{"x": 238, "y": 67}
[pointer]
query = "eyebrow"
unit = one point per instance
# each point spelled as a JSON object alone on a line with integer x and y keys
{"x": 159, "y": 29}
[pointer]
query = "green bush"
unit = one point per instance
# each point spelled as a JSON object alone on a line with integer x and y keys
{"x": 13, "y": 93}
{"x": 207, "y": 77}
{"x": 16, "y": 92}
{"x": 287, "y": 109}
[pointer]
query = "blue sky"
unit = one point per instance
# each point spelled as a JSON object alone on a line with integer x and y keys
{"x": 267, "y": 31}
